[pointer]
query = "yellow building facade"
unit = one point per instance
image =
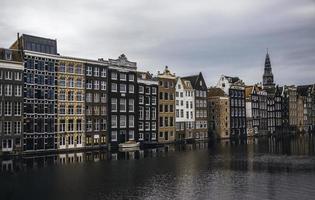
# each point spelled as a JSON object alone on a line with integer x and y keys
{"x": 167, "y": 127}
{"x": 70, "y": 106}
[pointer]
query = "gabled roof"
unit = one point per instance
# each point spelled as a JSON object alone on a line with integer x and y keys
{"x": 166, "y": 74}
{"x": 303, "y": 89}
{"x": 249, "y": 90}
{"x": 232, "y": 79}
{"x": 214, "y": 92}
{"x": 279, "y": 90}
{"x": 186, "y": 84}
{"x": 122, "y": 61}
{"x": 194, "y": 79}
{"x": 144, "y": 75}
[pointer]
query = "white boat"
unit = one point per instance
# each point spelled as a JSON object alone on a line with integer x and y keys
{"x": 129, "y": 144}
{"x": 131, "y": 149}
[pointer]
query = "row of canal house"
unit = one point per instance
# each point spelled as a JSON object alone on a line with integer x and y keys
{"x": 54, "y": 102}
{"x": 234, "y": 88}
{"x": 191, "y": 108}
{"x": 299, "y": 107}
{"x": 240, "y": 110}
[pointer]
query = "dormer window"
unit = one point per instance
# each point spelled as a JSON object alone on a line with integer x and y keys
{"x": 8, "y": 55}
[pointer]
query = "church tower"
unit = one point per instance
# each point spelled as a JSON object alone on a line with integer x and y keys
{"x": 268, "y": 76}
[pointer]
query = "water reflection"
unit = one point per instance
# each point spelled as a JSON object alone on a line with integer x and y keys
{"x": 254, "y": 153}
{"x": 262, "y": 168}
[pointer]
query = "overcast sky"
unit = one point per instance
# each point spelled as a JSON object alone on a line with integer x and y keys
{"x": 215, "y": 37}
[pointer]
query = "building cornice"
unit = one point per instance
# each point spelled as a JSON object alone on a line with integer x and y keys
{"x": 11, "y": 65}
{"x": 65, "y": 58}
{"x": 148, "y": 82}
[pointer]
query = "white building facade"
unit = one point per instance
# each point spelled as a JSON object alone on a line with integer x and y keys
{"x": 185, "y": 109}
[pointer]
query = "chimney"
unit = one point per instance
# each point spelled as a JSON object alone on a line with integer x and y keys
{"x": 18, "y": 41}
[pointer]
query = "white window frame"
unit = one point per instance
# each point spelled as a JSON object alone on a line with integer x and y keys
{"x": 154, "y": 90}
{"x": 89, "y": 71}
{"x": 141, "y": 99}
{"x": 103, "y": 73}
{"x": 114, "y": 76}
{"x": 123, "y": 121}
{"x": 122, "y": 88}
{"x": 122, "y": 76}
{"x": 147, "y": 126}
{"x": 96, "y": 71}
{"x": 131, "y": 77}
{"x": 153, "y": 126}
{"x": 114, "y": 102}
{"x": 114, "y": 87}
{"x": 18, "y": 91}
{"x": 96, "y": 85}
{"x": 122, "y": 105}
{"x": 131, "y": 105}
{"x": 17, "y": 76}
{"x": 103, "y": 85}
{"x": 8, "y": 75}
{"x": 114, "y": 121}
{"x": 153, "y": 100}
{"x": 131, "y": 135}
{"x": 131, "y": 121}
{"x": 141, "y": 89}
{"x": 114, "y": 136}
{"x": 131, "y": 88}
{"x": 17, "y": 109}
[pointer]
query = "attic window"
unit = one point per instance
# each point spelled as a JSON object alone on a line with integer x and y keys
{"x": 8, "y": 55}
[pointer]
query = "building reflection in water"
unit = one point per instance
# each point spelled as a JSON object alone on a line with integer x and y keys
{"x": 251, "y": 154}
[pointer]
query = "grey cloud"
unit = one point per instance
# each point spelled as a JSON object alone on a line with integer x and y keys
{"x": 215, "y": 37}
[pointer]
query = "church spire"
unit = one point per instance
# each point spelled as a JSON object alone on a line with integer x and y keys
{"x": 267, "y": 62}
{"x": 268, "y": 76}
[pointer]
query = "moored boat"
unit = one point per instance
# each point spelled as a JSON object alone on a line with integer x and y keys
{"x": 129, "y": 144}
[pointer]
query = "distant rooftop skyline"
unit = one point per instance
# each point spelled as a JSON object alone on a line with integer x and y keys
{"x": 214, "y": 37}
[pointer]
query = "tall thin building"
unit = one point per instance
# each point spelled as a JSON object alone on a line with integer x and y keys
{"x": 147, "y": 88}
{"x": 218, "y": 113}
{"x": 11, "y": 101}
{"x": 185, "y": 110}
{"x": 234, "y": 87}
{"x": 70, "y": 104}
{"x": 122, "y": 98}
{"x": 167, "y": 82}
{"x": 40, "y": 63}
{"x": 96, "y": 111}
{"x": 200, "y": 96}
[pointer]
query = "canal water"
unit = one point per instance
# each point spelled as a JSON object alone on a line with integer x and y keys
{"x": 262, "y": 168}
